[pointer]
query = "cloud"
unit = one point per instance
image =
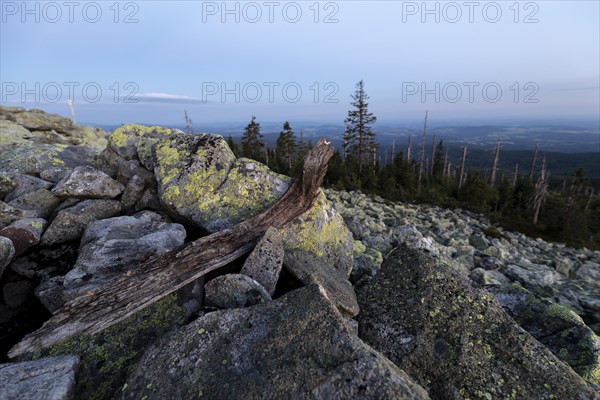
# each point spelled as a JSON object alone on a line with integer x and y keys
{"x": 167, "y": 98}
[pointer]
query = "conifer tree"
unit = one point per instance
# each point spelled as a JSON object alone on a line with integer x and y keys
{"x": 252, "y": 145}
{"x": 358, "y": 135}
{"x": 286, "y": 145}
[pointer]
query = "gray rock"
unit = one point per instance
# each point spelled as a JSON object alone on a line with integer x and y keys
{"x": 55, "y": 174}
{"x": 40, "y": 202}
{"x": 321, "y": 231}
{"x": 297, "y": 347}
{"x": 7, "y": 253}
{"x": 9, "y": 214}
{"x": 479, "y": 242}
{"x": 50, "y": 293}
{"x": 17, "y": 293}
{"x": 556, "y": 326}
{"x": 24, "y": 233}
{"x": 488, "y": 278}
{"x": 307, "y": 268}
{"x": 46, "y": 379}
{"x": 532, "y": 276}
{"x": 235, "y": 291}
{"x": 454, "y": 339}
{"x": 7, "y": 185}
{"x": 35, "y": 158}
{"x": 111, "y": 246}
{"x": 265, "y": 262}
{"x": 149, "y": 200}
{"x": 133, "y": 192}
{"x": 26, "y": 184}
{"x": 70, "y": 223}
{"x": 88, "y": 182}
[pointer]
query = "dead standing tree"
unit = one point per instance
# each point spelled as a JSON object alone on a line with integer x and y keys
{"x": 163, "y": 274}
{"x": 422, "y": 152}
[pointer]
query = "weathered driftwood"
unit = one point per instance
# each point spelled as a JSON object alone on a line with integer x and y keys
{"x": 161, "y": 275}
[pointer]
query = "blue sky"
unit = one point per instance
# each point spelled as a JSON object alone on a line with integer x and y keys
{"x": 492, "y": 61}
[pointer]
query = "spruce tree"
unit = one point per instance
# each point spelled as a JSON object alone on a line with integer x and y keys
{"x": 286, "y": 146}
{"x": 252, "y": 145}
{"x": 358, "y": 136}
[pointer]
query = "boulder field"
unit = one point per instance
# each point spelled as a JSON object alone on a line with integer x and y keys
{"x": 356, "y": 298}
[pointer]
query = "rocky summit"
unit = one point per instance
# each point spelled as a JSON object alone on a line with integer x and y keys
{"x": 357, "y": 297}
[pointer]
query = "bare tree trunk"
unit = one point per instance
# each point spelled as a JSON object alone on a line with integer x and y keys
{"x": 495, "y": 165}
{"x": 541, "y": 192}
{"x": 535, "y": 154}
{"x": 432, "y": 156}
{"x": 446, "y": 165}
{"x": 163, "y": 274}
{"x": 461, "y": 176}
{"x": 408, "y": 148}
{"x": 393, "y": 150}
{"x": 422, "y": 152}
{"x": 516, "y": 175}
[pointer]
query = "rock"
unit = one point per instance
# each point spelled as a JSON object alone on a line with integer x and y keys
{"x": 108, "y": 356}
{"x": 321, "y": 231}
{"x": 556, "y": 326}
{"x": 39, "y": 120}
{"x": 36, "y": 158}
{"x": 307, "y": 268}
{"x": 88, "y": 182}
{"x": 49, "y": 379}
{"x": 235, "y": 291}
{"x": 532, "y": 276}
{"x": 111, "y": 246}
{"x": 296, "y": 347}
{"x": 10, "y": 214}
{"x": 40, "y": 202}
{"x": 7, "y": 185}
{"x": 26, "y": 184}
{"x": 12, "y": 133}
{"x": 55, "y": 174}
{"x": 17, "y": 293}
{"x": 133, "y": 192}
{"x": 201, "y": 182}
{"x": 50, "y": 293}
{"x": 24, "y": 233}
{"x": 454, "y": 339}
{"x": 70, "y": 223}
{"x": 488, "y": 278}
{"x": 7, "y": 253}
{"x": 265, "y": 262}
{"x": 479, "y": 242}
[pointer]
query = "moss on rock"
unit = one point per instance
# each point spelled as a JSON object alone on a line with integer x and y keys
{"x": 108, "y": 357}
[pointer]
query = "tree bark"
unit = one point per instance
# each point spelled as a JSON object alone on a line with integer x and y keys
{"x": 163, "y": 274}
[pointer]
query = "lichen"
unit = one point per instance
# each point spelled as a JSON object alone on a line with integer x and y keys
{"x": 109, "y": 356}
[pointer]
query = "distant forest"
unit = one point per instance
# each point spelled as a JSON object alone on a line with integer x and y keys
{"x": 545, "y": 195}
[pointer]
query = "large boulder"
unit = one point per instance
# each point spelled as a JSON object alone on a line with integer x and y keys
{"x": 295, "y": 347}
{"x": 38, "y": 158}
{"x": 454, "y": 339}
{"x": 200, "y": 180}
{"x": 556, "y": 326}
{"x": 50, "y": 378}
{"x": 108, "y": 357}
{"x": 7, "y": 253}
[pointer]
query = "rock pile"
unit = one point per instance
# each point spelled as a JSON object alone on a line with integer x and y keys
{"x": 78, "y": 211}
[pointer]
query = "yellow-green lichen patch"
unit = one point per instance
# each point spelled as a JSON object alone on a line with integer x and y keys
{"x": 168, "y": 159}
{"x": 109, "y": 356}
{"x": 120, "y": 136}
{"x": 35, "y": 224}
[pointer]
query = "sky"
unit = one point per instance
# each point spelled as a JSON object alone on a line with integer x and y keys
{"x": 148, "y": 61}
